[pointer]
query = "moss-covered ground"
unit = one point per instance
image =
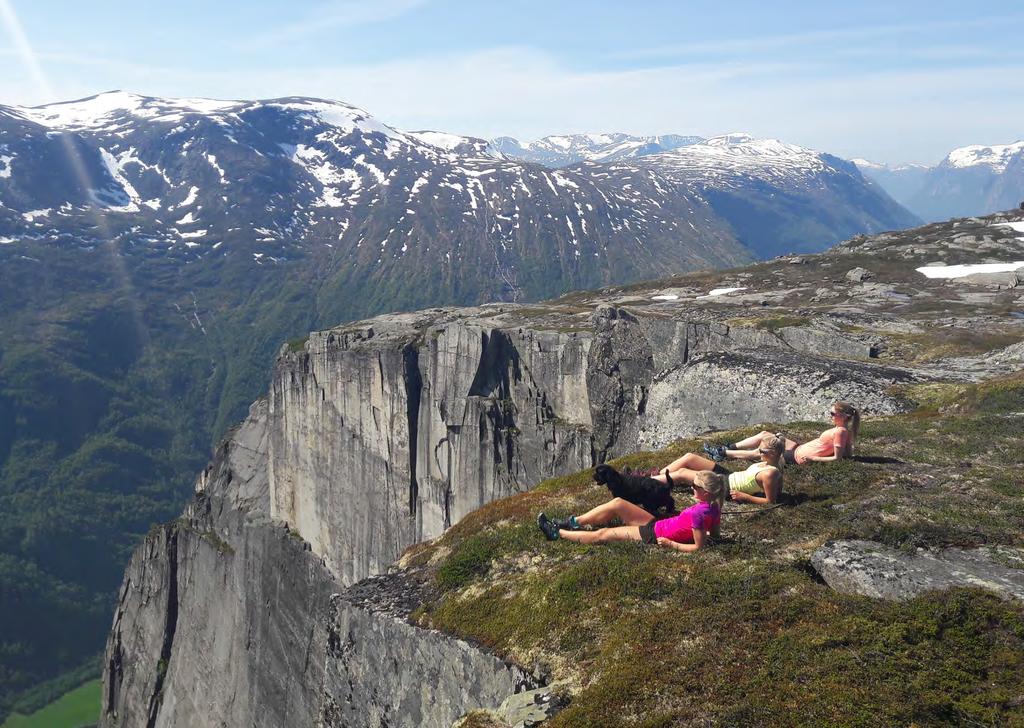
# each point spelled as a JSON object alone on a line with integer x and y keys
{"x": 742, "y": 633}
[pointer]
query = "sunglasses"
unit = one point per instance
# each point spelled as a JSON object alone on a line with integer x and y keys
{"x": 765, "y": 452}
{"x": 835, "y": 414}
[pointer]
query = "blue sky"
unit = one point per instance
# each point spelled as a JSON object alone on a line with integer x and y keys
{"x": 890, "y": 81}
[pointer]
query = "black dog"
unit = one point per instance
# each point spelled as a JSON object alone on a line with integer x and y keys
{"x": 648, "y": 493}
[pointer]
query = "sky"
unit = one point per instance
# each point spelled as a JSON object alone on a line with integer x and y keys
{"x": 893, "y": 82}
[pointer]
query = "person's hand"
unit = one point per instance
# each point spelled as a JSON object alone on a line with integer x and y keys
{"x": 737, "y": 496}
{"x": 662, "y": 541}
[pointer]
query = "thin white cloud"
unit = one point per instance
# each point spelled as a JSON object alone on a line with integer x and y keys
{"x": 331, "y": 16}
{"x": 893, "y": 116}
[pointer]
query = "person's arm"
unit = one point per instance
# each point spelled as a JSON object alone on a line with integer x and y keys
{"x": 771, "y": 481}
{"x": 840, "y": 447}
{"x": 699, "y": 538}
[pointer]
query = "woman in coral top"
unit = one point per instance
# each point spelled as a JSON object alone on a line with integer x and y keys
{"x": 687, "y": 531}
{"x": 834, "y": 443}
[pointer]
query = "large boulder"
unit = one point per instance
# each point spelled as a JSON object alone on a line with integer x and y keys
{"x": 875, "y": 570}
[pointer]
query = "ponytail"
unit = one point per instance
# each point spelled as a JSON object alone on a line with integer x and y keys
{"x": 714, "y": 483}
{"x": 852, "y": 422}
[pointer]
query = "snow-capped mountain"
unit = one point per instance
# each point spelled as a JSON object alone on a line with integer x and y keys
{"x": 777, "y": 197}
{"x": 292, "y": 178}
{"x": 565, "y": 150}
{"x": 970, "y": 180}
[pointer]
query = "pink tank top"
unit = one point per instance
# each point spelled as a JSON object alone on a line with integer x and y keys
{"x": 824, "y": 445}
{"x": 680, "y": 528}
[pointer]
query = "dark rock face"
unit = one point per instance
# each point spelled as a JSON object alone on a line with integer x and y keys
{"x": 874, "y": 570}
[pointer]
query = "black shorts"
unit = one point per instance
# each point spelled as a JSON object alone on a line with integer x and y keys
{"x": 721, "y": 470}
{"x": 647, "y": 532}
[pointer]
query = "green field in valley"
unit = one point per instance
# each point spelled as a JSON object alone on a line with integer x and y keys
{"x": 78, "y": 708}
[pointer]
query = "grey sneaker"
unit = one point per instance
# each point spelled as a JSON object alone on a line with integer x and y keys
{"x": 566, "y": 524}
{"x": 715, "y": 452}
{"x": 549, "y": 529}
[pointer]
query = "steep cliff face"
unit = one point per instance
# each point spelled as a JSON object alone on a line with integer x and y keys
{"x": 385, "y": 433}
{"x": 221, "y": 618}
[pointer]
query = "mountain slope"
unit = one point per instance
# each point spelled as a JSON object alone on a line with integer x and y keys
{"x": 777, "y": 197}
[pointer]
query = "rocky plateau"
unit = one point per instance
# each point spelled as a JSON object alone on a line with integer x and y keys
{"x": 282, "y": 595}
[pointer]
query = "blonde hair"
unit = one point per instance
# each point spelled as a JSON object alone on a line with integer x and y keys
{"x": 852, "y": 422}
{"x": 713, "y": 483}
{"x": 777, "y": 444}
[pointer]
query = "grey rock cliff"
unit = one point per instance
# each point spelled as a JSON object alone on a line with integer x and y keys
{"x": 382, "y": 671}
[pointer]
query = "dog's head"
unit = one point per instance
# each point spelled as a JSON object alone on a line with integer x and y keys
{"x": 606, "y": 474}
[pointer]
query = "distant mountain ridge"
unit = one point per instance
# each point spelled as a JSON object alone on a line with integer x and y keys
{"x": 971, "y": 180}
{"x": 565, "y": 150}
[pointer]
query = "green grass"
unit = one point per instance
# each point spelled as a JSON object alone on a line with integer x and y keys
{"x": 649, "y": 637}
{"x": 80, "y": 707}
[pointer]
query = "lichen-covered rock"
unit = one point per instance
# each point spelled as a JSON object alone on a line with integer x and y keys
{"x": 875, "y": 570}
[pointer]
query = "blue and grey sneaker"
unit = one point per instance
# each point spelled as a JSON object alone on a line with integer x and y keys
{"x": 549, "y": 529}
{"x": 715, "y": 452}
{"x": 567, "y": 524}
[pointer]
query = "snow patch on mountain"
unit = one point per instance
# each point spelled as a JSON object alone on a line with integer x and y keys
{"x": 724, "y": 159}
{"x": 5, "y": 166}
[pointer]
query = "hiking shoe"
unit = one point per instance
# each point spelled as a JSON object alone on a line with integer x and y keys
{"x": 715, "y": 452}
{"x": 564, "y": 523}
{"x": 549, "y": 529}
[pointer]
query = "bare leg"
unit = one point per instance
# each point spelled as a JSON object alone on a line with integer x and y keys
{"x": 685, "y": 468}
{"x": 747, "y": 449}
{"x": 628, "y": 513}
{"x": 603, "y": 535}
{"x": 753, "y": 441}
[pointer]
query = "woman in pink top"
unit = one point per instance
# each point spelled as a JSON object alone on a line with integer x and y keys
{"x": 834, "y": 443}
{"x": 686, "y": 532}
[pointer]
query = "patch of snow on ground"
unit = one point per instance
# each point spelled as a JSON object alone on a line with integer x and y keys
{"x": 439, "y": 139}
{"x": 959, "y": 271}
{"x": 6, "y": 241}
{"x": 188, "y": 219}
{"x": 1018, "y": 226}
{"x": 115, "y": 168}
{"x": 665, "y": 297}
{"x": 5, "y": 166}
{"x": 189, "y": 199}
{"x": 372, "y": 169}
{"x": 325, "y": 173}
{"x": 31, "y": 215}
{"x": 722, "y": 291}
{"x": 196, "y": 234}
{"x": 213, "y": 163}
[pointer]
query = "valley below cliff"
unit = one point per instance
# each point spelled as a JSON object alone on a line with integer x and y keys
{"x": 362, "y": 549}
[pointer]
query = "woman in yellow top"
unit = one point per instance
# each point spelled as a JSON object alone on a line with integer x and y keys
{"x": 833, "y": 444}
{"x": 764, "y": 476}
